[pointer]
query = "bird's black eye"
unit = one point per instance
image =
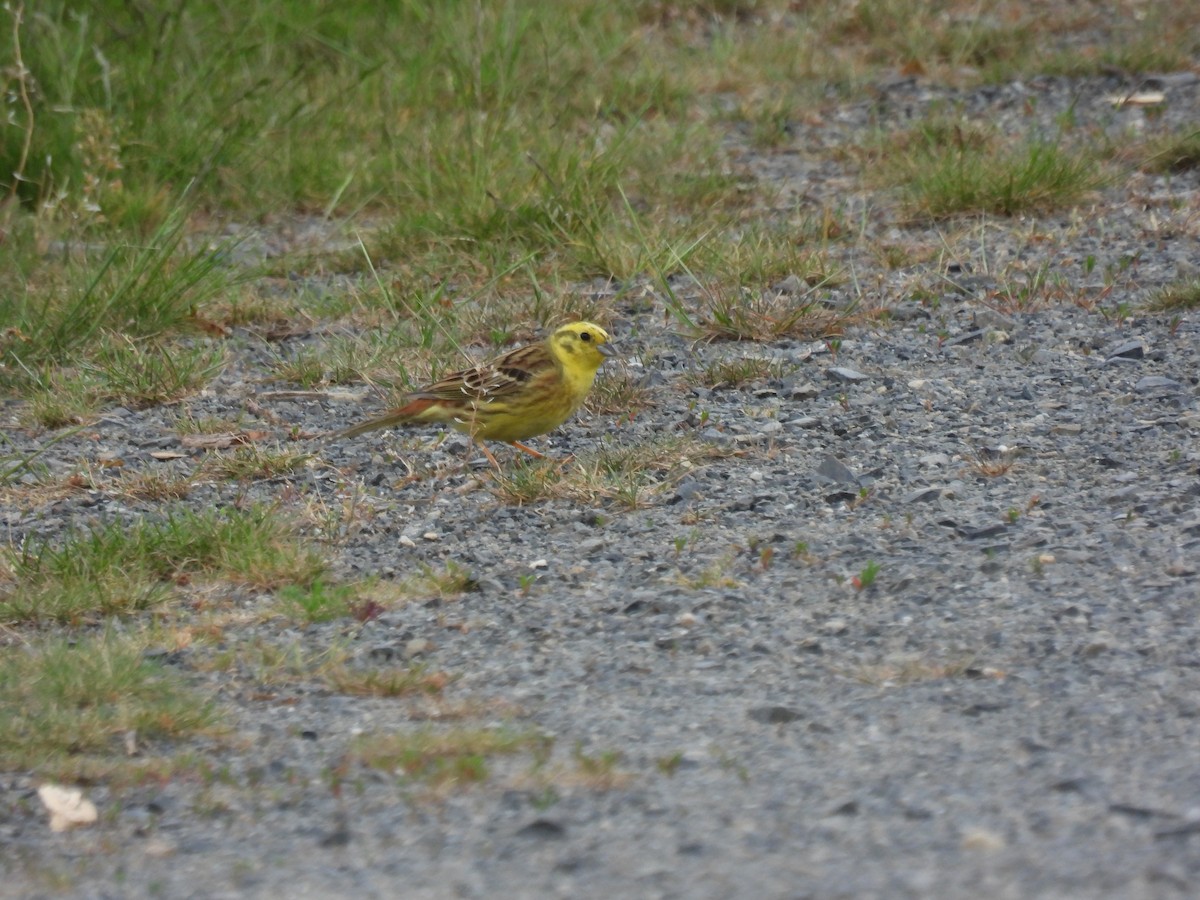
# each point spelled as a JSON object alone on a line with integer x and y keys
{"x": 585, "y": 335}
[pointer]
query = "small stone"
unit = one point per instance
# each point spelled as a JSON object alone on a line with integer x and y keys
{"x": 1156, "y": 383}
{"x": 984, "y": 532}
{"x": 417, "y": 647}
{"x": 431, "y": 536}
{"x": 969, "y": 337}
{"x": 539, "y": 564}
{"x": 1072, "y": 428}
{"x": 845, "y": 375}
{"x": 793, "y": 284}
{"x": 156, "y": 848}
{"x": 834, "y": 470}
{"x": 1101, "y": 642}
{"x": 1118, "y": 361}
{"x": 543, "y": 829}
{"x": 805, "y": 391}
{"x": 907, "y": 312}
{"x": 1127, "y": 350}
{"x": 406, "y": 541}
{"x": 837, "y": 300}
{"x": 990, "y": 318}
{"x": 982, "y": 839}
{"x": 923, "y": 495}
{"x": 338, "y": 836}
{"x": 715, "y": 436}
{"x": 774, "y": 715}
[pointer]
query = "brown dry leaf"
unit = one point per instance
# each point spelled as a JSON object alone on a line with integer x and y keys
{"x": 167, "y": 454}
{"x": 209, "y": 326}
{"x": 66, "y": 806}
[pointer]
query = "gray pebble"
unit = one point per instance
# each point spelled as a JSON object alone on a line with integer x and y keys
{"x": 845, "y": 375}
{"x": 1156, "y": 383}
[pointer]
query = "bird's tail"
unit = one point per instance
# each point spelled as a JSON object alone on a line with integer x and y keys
{"x": 387, "y": 420}
{"x": 419, "y": 408}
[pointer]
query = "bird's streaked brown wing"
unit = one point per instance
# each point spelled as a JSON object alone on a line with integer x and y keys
{"x": 453, "y": 396}
{"x": 496, "y": 379}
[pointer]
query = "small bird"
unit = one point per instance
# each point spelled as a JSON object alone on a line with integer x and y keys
{"x": 520, "y": 394}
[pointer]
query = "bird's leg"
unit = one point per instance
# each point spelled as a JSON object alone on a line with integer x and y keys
{"x": 529, "y": 450}
{"x": 488, "y": 454}
{"x": 536, "y": 455}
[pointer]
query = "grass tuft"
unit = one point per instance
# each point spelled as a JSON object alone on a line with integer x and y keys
{"x": 947, "y": 168}
{"x": 626, "y": 475}
{"x": 732, "y": 314}
{"x": 65, "y": 702}
{"x": 1175, "y": 153}
{"x": 115, "y": 568}
{"x": 386, "y": 682}
{"x": 444, "y": 758}
{"x": 1183, "y": 294}
{"x": 64, "y": 310}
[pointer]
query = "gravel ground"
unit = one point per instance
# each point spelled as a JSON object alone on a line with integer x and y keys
{"x": 1011, "y": 709}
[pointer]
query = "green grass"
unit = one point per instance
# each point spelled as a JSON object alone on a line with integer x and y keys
{"x": 253, "y": 463}
{"x": 740, "y": 371}
{"x": 69, "y": 703}
{"x": 15, "y": 464}
{"x": 119, "y": 369}
{"x": 1174, "y": 153}
{"x": 445, "y": 758}
{"x": 374, "y": 356}
{"x": 340, "y": 109}
{"x": 460, "y": 128}
{"x": 747, "y": 314}
{"x": 77, "y": 307}
{"x": 946, "y": 168}
{"x": 394, "y": 681}
{"x": 1181, "y": 295}
{"x": 627, "y": 476}
{"x": 316, "y": 602}
{"x": 507, "y": 146}
{"x": 121, "y": 568}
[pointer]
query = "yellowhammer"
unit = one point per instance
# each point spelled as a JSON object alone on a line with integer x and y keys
{"x": 523, "y": 393}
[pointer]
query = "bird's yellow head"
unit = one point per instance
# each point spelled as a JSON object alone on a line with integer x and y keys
{"x": 581, "y": 346}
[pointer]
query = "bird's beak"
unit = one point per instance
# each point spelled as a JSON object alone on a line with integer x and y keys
{"x": 607, "y": 350}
